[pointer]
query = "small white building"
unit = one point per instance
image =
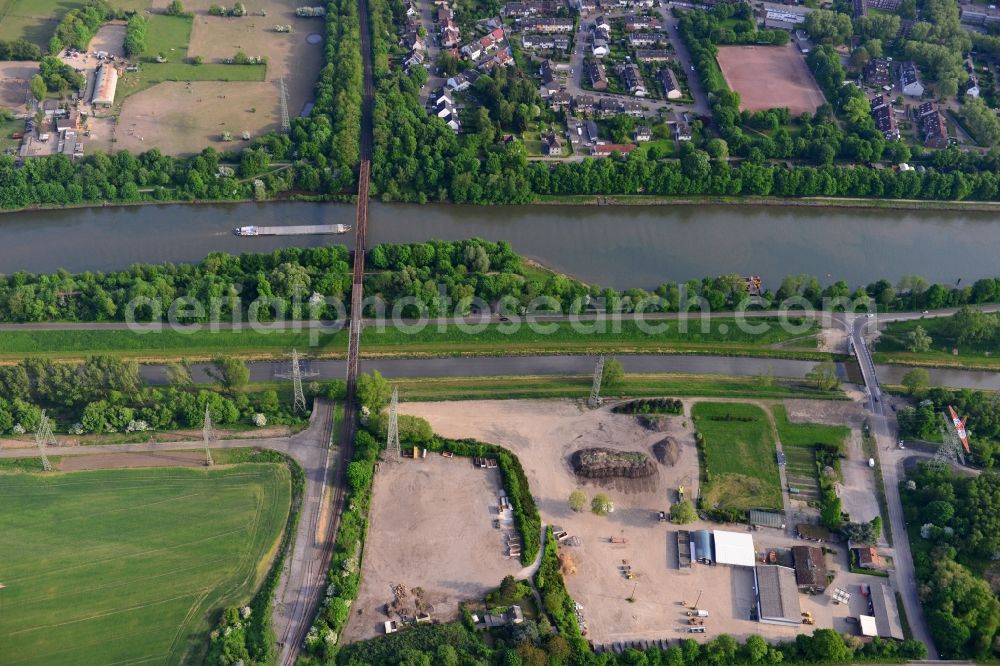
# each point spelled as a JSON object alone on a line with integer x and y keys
{"x": 909, "y": 80}
{"x": 734, "y": 548}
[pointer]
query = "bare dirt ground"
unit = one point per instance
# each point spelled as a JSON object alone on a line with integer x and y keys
{"x": 768, "y": 77}
{"x": 432, "y": 528}
{"x": 14, "y": 78}
{"x": 180, "y": 118}
{"x": 132, "y": 460}
{"x": 543, "y": 434}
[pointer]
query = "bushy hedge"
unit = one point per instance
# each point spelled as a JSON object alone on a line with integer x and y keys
{"x": 557, "y": 602}
{"x": 651, "y": 406}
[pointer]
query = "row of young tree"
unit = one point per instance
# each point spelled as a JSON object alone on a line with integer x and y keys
{"x": 955, "y": 535}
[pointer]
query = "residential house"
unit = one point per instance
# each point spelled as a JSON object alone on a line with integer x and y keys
{"x": 783, "y": 19}
{"x": 583, "y": 104}
{"x": 486, "y": 45}
{"x": 682, "y": 131}
{"x": 639, "y": 23}
{"x": 909, "y": 80}
{"x": 878, "y": 73}
{"x": 867, "y": 558}
{"x": 583, "y": 6}
{"x": 538, "y": 41}
{"x": 885, "y": 117}
{"x": 643, "y": 39}
{"x": 502, "y": 58}
{"x": 642, "y": 133}
{"x": 600, "y": 48}
{"x": 546, "y": 24}
{"x": 598, "y": 75}
{"x": 601, "y": 23}
{"x": 613, "y": 106}
{"x": 653, "y": 55}
{"x": 444, "y": 108}
{"x": 932, "y": 125}
{"x": 414, "y": 59}
{"x": 668, "y": 81}
{"x": 552, "y": 145}
{"x": 545, "y": 72}
{"x": 560, "y": 100}
{"x": 632, "y": 80}
{"x": 590, "y": 132}
{"x": 463, "y": 81}
{"x": 606, "y": 149}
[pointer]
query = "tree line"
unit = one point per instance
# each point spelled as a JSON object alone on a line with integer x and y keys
{"x": 433, "y": 277}
{"x": 955, "y": 533}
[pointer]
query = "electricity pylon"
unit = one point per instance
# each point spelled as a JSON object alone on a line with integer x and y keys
{"x": 951, "y": 449}
{"x": 296, "y": 373}
{"x": 392, "y": 439}
{"x": 44, "y": 437}
{"x": 286, "y": 125}
{"x": 208, "y": 434}
{"x": 595, "y": 389}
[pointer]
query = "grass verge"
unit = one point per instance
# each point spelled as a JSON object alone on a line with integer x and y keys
{"x": 739, "y": 457}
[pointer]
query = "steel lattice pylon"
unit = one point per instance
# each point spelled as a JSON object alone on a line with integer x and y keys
{"x": 392, "y": 438}
{"x": 595, "y": 389}
{"x": 951, "y": 449}
{"x": 208, "y": 434}
{"x": 296, "y": 373}
{"x": 44, "y": 437}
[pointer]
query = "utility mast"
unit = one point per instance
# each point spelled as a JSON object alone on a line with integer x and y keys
{"x": 392, "y": 439}
{"x": 286, "y": 125}
{"x": 296, "y": 373}
{"x": 44, "y": 437}
{"x": 950, "y": 451}
{"x": 595, "y": 389}
{"x": 208, "y": 434}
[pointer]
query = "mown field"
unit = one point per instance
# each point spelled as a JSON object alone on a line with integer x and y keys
{"x": 131, "y": 566}
{"x": 738, "y": 456}
{"x": 891, "y": 347}
{"x": 496, "y": 339}
{"x": 797, "y": 442}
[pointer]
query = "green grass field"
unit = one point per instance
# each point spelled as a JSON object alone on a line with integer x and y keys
{"x": 739, "y": 456}
{"x": 724, "y": 338}
{"x": 131, "y": 566}
{"x": 578, "y": 386}
{"x": 797, "y": 442}
{"x": 170, "y": 35}
{"x": 36, "y": 20}
{"x": 891, "y": 347}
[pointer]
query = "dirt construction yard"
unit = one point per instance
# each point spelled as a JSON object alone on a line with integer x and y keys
{"x": 768, "y": 77}
{"x": 432, "y": 528}
{"x": 543, "y": 434}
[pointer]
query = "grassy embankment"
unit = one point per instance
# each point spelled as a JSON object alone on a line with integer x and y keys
{"x": 723, "y": 338}
{"x": 811, "y": 202}
{"x": 578, "y": 386}
{"x": 119, "y": 566}
{"x": 891, "y": 347}
{"x": 170, "y": 36}
{"x": 738, "y": 457}
{"x": 798, "y": 441}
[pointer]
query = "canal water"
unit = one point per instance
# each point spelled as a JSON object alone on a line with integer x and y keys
{"x": 615, "y": 246}
{"x": 562, "y": 365}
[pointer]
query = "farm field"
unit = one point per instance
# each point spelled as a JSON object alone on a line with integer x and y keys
{"x": 738, "y": 456}
{"x": 14, "y": 78}
{"x": 768, "y": 77}
{"x": 132, "y": 565}
{"x": 450, "y": 340}
{"x": 797, "y": 443}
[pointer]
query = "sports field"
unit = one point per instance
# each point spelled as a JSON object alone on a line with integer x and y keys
{"x": 770, "y": 77}
{"x": 131, "y": 565}
{"x": 739, "y": 456}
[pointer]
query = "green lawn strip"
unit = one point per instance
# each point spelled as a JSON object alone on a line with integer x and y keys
{"x": 578, "y": 386}
{"x": 132, "y": 565}
{"x": 450, "y": 340}
{"x": 798, "y": 441}
{"x": 891, "y": 347}
{"x": 739, "y": 455}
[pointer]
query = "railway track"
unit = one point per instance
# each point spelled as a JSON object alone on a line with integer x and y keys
{"x": 337, "y": 482}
